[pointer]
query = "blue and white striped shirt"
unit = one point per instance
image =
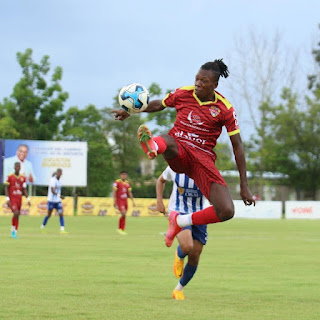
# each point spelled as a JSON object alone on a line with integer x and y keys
{"x": 186, "y": 196}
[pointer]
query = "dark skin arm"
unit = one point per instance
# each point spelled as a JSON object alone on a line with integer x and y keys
{"x": 153, "y": 106}
{"x": 241, "y": 164}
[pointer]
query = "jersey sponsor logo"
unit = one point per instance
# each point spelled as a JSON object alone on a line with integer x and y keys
{"x": 194, "y": 119}
{"x": 190, "y": 136}
{"x": 192, "y": 193}
{"x": 214, "y": 111}
{"x": 194, "y": 127}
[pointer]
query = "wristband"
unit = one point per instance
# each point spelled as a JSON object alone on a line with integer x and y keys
{"x": 7, "y": 199}
{"x": 28, "y": 199}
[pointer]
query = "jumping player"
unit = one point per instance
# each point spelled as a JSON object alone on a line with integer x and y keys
{"x": 185, "y": 198}
{"x": 16, "y": 186}
{"x": 54, "y": 201}
{"x": 121, "y": 191}
{"x": 188, "y": 147}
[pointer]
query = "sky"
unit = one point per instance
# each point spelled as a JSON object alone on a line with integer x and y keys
{"x": 103, "y": 45}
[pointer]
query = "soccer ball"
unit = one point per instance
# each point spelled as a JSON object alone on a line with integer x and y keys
{"x": 134, "y": 98}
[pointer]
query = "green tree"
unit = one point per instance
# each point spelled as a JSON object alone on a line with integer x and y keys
{"x": 165, "y": 118}
{"x": 292, "y": 142}
{"x": 85, "y": 125}
{"x": 122, "y": 135}
{"x": 36, "y": 104}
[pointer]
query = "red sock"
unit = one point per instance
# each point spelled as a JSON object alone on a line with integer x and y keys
{"x": 205, "y": 216}
{"x": 122, "y": 223}
{"x": 13, "y": 222}
{"x": 162, "y": 146}
{"x": 17, "y": 224}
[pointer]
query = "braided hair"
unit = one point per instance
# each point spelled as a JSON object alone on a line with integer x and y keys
{"x": 218, "y": 67}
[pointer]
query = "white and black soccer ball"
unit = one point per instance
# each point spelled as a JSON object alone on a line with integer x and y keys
{"x": 134, "y": 98}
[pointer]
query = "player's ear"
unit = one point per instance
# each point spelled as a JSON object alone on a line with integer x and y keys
{"x": 215, "y": 84}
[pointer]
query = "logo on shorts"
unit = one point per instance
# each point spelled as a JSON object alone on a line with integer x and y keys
{"x": 214, "y": 111}
{"x": 194, "y": 119}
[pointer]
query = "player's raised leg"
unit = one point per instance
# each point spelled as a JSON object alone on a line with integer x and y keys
{"x": 152, "y": 146}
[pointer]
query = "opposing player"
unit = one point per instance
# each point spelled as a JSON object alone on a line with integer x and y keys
{"x": 16, "y": 186}
{"x": 185, "y": 198}
{"x": 121, "y": 191}
{"x": 188, "y": 147}
{"x": 54, "y": 201}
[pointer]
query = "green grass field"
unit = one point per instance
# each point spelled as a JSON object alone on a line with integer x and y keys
{"x": 249, "y": 269}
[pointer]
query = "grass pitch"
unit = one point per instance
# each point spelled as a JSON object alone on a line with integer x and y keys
{"x": 249, "y": 269}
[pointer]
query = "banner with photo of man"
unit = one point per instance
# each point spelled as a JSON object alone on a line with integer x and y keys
{"x": 40, "y": 159}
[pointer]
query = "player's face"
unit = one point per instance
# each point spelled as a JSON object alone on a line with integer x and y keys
{"x": 58, "y": 174}
{"x": 17, "y": 168}
{"x": 123, "y": 176}
{"x": 205, "y": 83}
{"x": 22, "y": 152}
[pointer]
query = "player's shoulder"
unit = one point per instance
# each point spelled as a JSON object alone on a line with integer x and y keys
{"x": 186, "y": 88}
{"x": 182, "y": 90}
{"x": 223, "y": 101}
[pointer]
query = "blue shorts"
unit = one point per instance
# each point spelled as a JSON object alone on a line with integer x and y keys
{"x": 55, "y": 205}
{"x": 198, "y": 233}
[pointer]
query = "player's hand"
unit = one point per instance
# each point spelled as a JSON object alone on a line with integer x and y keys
{"x": 116, "y": 206}
{"x": 133, "y": 204}
{"x": 9, "y": 203}
{"x": 246, "y": 196}
{"x": 120, "y": 114}
{"x": 161, "y": 208}
{"x": 62, "y": 197}
{"x": 30, "y": 178}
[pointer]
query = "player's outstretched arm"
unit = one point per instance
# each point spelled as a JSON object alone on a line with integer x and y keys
{"x": 242, "y": 167}
{"x": 153, "y": 106}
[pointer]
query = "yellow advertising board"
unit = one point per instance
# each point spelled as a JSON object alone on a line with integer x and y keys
{"x": 38, "y": 206}
{"x": 96, "y": 206}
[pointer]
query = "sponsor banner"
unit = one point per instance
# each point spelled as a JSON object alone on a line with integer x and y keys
{"x": 302, "y": 209}
{"x": 38, "y": 207}
{"x": 262, "y": 210}
{"x": 39, "y": 159}
{"x": 97, "y": 206}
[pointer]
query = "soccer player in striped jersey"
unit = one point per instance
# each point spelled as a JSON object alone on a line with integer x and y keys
{"x": 185, "y": 198}
{"x": 54, "y": 201}
{"x": 202, "y": 112}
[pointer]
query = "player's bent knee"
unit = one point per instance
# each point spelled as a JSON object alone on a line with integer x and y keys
{"x": 227, "y": 214}
{"x": 186, "y": 248}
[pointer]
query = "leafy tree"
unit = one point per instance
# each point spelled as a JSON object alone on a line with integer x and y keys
{"x": 292, "y": 142}
{"x": 165, "y": 118}
{"x": 122, "y": 135}
{"x": 85, "y": 125}
{"x": 35, "y": 106}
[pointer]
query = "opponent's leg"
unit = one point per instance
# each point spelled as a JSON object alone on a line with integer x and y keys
{"x": 189, "y": 270}
{"x": 185, "y": 246}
